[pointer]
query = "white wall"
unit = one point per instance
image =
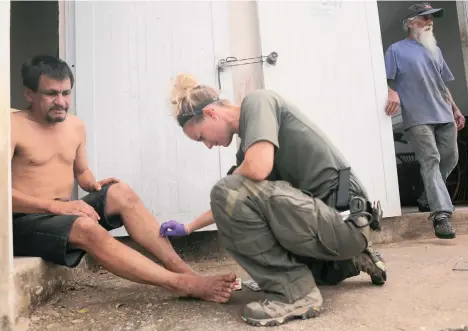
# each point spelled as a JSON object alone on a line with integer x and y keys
{"x": 245, "y": 43}
{"x": 7, "y": 318}
{"x": 126, "y": 53}
{"x": 34, "y": 30}
{"x": 331, "y": 65}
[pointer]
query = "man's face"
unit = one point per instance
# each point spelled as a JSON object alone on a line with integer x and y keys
{"x": 51, "y": 100}
{"x": 424, "y": 23}
{"x": 422, "y": 29}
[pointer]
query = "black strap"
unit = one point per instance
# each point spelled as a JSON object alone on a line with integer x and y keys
{"x": 342, "y": 194}
{"x": 183, "y": 118}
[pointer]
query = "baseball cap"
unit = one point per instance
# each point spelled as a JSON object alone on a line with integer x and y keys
{"x": 425, "y": 8}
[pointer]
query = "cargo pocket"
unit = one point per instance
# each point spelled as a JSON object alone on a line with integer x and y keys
{"x": 302, "y": 223}
{"x": 328, "y": 219}
{"x": 241, "y": 223}
{"x": 288, "y": 211}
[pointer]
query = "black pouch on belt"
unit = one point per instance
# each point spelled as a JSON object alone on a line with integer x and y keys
{"x": 356, "y": 205}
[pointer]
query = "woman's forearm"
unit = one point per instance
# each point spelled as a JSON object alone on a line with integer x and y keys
{"x": 204, "y": 220}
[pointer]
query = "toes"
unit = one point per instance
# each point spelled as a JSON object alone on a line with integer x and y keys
{"x": 224, "y": 297}
{"x": 229, "y": 285}
{"x": 231, "y": 277}
{"x": 223, "y": 300}
{"x": 227, "y": 295}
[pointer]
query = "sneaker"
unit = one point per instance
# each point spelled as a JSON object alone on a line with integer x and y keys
{"x": 424, "y": 207}
{"x": 271, "y": 313}
{"x": 443, "y": 227}
{"x": 373, "y": 264}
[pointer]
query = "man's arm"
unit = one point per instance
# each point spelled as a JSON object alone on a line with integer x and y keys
{"x": 83, "y": 174}
{"x": 393, "y": 103}
{"x": 457, "y": 114}
{"x": 447, "y": 76}
{"x": 449, "y": 99}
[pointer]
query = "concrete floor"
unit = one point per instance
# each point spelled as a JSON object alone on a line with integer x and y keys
{"x": 423, "y": 292}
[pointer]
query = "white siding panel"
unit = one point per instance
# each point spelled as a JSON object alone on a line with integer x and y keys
{"x": 326, "y": 65}
{"x": 138, "y": 47}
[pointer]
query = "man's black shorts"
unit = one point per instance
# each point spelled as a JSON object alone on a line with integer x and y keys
{"x": 46, "y": 235}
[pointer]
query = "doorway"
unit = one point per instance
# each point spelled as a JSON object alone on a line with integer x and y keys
{"x": 447, "y": 33}
{"x": 34, "y": 30}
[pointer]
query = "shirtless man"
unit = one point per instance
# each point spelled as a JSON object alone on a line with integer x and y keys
{"x": 48, "y": 151}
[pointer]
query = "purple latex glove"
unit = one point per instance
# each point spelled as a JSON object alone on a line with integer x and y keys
{"x": 172, "y": 229}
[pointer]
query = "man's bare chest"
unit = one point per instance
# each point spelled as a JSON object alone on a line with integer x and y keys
{"x": 37, "y": 149}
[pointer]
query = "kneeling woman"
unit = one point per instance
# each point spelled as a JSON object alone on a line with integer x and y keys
{"x": 276, "y": 212}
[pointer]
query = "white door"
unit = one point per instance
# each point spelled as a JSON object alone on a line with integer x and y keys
{"x": 330, "y": 63}
{"x": 126, "y": 54}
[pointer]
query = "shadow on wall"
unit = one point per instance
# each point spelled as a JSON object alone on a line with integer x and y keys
{"x": 446, "y": 30}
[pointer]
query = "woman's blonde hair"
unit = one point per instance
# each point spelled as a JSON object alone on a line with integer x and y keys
{"x": 188, "y": 98}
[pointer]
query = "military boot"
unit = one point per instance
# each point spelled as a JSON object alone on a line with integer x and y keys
{"x": 271, "y": 313}
{"x": 373, "y": 264}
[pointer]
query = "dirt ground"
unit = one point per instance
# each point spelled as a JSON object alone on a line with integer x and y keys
{"x": 422, "y": 293}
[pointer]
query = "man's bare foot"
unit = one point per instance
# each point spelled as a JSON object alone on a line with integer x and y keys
{"x": 209, "y": 288}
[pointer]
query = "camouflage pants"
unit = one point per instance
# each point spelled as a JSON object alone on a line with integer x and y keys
{"x": 285, "y": 239}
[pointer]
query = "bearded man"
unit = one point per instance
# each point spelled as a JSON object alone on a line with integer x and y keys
{"x": 416, "y": 75}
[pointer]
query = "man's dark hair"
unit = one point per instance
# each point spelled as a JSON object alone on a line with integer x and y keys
{"x": 47, "y": 65}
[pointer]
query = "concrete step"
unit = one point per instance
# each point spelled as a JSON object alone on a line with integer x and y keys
{"x": 35, "y": 281}
{"x": 417, "y": 226}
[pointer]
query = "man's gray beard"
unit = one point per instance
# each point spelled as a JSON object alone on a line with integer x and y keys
{"x": 425, "y": 36}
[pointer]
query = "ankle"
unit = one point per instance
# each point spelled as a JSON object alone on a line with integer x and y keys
{"x": 177, "y": 265}
{"x": 178, "y": 283}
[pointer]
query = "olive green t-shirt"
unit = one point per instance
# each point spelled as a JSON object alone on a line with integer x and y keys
{"x": 304, "y": 156}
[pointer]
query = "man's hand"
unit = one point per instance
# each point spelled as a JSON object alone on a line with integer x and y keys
{"x": 459, "y": 119}
{"x": 173, "y": 229}
{"x": 98, "y": 185}
{"x": 393, "y": 104}
{"x": 76, "y": 207}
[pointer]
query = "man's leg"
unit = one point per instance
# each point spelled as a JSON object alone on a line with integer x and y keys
{"x": 125, "y": 262}
{"x": 64, "y": 239}
{"x": 425, "y": 147}
{"x": 266, "y": 226}
{"x": 119, "y": 203}
{"x": 446, "y": 140}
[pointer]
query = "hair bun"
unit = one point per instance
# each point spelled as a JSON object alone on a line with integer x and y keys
{"x": 182, "y": 85}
